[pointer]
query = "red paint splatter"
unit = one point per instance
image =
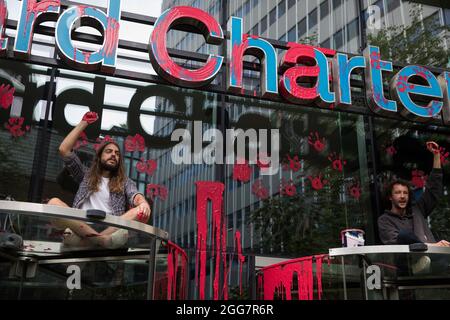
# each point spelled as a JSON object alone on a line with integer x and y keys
{"x": 422, "y": 72}
{"x": 6, "y": 96}
{"x": 102, "y": 141}
{"x": 292, "y": 164}
{"x": 279, "y": 278}
{"x": 3, "y": 14}
{"x": 156, "y": 191}
{"x": 209, "y": 191}
{"x": 418, "y": 178}
{"x": 403, "y": 85}
{"x": 136, "y": 143}
{"x": 317, "y": 142}
{"x": 288, "y": 188}
{"x": 337, "y": 163}
{"x": 355, "y": 190}
{"x": 90, "y": 117}
{"x": 16, "y": 127}
{"x": 444, "y": 155}
{"x": 317, "y": 183}
{"x": 375, "y": 60}
{"x": 81, "y": 10}
{"x": 260, "y": 190}
{"x": 159, "y": 44}
{"x": 34, "y": 8}
{"x": 261, "y": 164}
{"x": 242, "y": 172}
{"x": 390, "y": 150}
{"x": 82, "y": 141}
{"x": 149, "y": 167}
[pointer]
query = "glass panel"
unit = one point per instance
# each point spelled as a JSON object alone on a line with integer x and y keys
{"x": 23, "y": 105}
{"x": 320, "y": 185}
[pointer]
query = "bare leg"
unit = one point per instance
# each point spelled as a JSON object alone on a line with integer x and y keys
{"x": 131, "y": 215}
{"x": 79, "y": 227}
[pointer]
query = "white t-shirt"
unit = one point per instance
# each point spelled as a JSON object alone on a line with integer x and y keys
{"x": 99, "y": 200}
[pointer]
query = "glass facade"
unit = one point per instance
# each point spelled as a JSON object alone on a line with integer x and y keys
{"x": 333, "y": 162}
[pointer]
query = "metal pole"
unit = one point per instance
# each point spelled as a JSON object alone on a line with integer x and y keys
{"x": 151, "y": 269}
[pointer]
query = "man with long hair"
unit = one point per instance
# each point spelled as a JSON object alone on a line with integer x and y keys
{"x": 404, "y": 222}
{"x": 104, "y": 186}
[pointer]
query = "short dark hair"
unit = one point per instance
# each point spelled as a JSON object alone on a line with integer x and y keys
{"x": 388, "y": 193}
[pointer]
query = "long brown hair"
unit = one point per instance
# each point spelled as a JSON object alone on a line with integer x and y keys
{"x": 117, "y": 179}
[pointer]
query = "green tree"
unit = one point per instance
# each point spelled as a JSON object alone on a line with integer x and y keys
{"x": 423, "y": 42}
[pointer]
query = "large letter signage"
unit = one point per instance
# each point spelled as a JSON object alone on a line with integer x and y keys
{"x": 81, "y": 15}
{"x": 307, "y": 74}
{"x": 163, "y": 63}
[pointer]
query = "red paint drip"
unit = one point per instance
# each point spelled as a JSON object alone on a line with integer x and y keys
{"x": 206, "y": 191}
{"x": 6, "y": 96}
{"x": 241, "y": 258}
{"x": 111, "y": 37}
{"x": 279, "y": 278}
{"x": 87, "y": 56}
{"x": 3, "y": 13}
{"x": 35, "y": 8}
{"x": 237, "y": 60}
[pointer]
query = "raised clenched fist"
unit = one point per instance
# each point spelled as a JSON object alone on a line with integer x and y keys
{"x": 90, "y": 117}
{"x": 433, "y": 147}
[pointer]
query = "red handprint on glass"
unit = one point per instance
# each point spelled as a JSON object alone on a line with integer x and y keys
{"x": 263, "y": 164}
{"x": 292, "y": 164}
{"x": 288, "y": 188}
{"x": 337, "y": 163}
{"x": 90, "y": 117}
{"x": 418, "y": 179}
{"x": 317, "y": 142}
{"x": 259, "y": 190}
{"x": 242, "y": 172}
{"x": 444, "y": 155}
{"x": 6, "y": 96}
{"x": 82, "y": 141}
{"x": 156, "y": 191}
{"x": 148, "y": 167}
{"x": 136, "y": 143}
{"x": 317, "y": 183}
{"x": 355, "y": 190}
{"x": 102, "y": 141}
{"x": 16, "y": 127}
{"x": 390, "y": 150}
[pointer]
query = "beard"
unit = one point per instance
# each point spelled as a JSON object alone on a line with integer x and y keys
{"x": 113, "y": 168}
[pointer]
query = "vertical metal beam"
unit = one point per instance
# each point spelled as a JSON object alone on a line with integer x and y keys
{"x": 151, "y": 269}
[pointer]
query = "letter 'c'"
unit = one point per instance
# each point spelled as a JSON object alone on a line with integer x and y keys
{"x": 163, "y": 63}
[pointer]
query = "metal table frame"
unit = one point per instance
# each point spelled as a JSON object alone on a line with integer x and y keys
{"x": 363, "y": 251}
{"x": 26, "y": 262}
